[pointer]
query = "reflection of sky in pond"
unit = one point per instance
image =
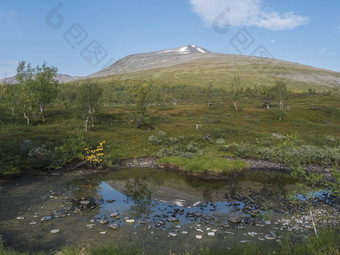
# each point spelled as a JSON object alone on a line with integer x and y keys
{"x": 171, "y": 195}
{"x": 158, "y": 208}
{"x": 109, "y": 193}
{"x": 317, "y": 195}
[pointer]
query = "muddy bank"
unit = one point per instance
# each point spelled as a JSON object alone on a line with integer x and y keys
{"x": 151, "y": 162}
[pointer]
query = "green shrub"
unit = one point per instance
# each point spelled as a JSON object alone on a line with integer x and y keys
{"x": 71, "y": 149}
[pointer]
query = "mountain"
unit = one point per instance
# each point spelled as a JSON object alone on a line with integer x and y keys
{"x": 59, "y": 77}
{"x": 147, "y": 61}
{"x": 198, "y": 66}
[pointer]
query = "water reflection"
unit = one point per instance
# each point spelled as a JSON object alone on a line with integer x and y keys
{"x": 140, "y": 191}
{"x": 157, "y": 201}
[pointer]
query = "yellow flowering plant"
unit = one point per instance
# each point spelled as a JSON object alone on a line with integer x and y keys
{"x": 94, "y": 156}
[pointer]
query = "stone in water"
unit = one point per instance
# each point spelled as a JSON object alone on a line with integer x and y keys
{"x": 46, "y": 218}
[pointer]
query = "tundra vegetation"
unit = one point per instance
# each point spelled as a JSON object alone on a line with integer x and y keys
{"x": 46, "y": 125}
{"x": 42, "y": 122}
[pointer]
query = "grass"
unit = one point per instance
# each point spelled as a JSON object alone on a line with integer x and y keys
{"x": 208, "y": 165}
{"x": 220, "y": 70}
{"x": 328, "y": 243}
{"x": 312, "y": 117}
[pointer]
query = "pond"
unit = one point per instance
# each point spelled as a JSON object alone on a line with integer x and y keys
{"x": 150, "y": 208}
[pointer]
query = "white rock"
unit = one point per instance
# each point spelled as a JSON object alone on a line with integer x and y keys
{"x": 20, "y": 218}
{"x": 113, "y": 226}
{"x": 228, "y": 232}
{"x": 102, "y": 233}
{"x": 199, "y": 230}
{"x": 46, "y": 218}
{"x": 33, "y": 223}
{"x": 184, "y": 232}
{"x": 211, "y": 233}
{"x": 197, "y": 203}
{"x": 54, "y": 231}
{"x": 172, "y": 234}
{"x": 128, "y": 220}
{"x": 199, "y": 236}
{"x": 244, "y": 241}
{"x": 104, "y": 221}
{"x": 269, "y": 237}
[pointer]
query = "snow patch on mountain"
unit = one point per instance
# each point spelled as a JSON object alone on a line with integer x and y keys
{"x": 190, "y": 49}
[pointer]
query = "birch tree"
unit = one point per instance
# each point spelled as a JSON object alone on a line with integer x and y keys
{"x": 283, "y": 94}
{"x": 267, "y": 95}
{"x": 235, "y": 91}
{"x": 89, "y": 98}
{"x": 38, "y": 89}
{"x": 46, "y": 87}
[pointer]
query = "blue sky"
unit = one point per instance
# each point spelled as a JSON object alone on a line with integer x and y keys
{"x": 61, "y": 32}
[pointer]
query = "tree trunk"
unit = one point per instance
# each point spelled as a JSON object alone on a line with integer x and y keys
{"x": 12, "y": 110}
{"x": 174, "y": 101}
{"x": 26, "y": 116}
{"x": 86, "y": 123}
{"x": 92, "y": 121}
{"x": 235, "y": 105}
{"x": 281, "y": 104}
{"x": 42, "y": 113}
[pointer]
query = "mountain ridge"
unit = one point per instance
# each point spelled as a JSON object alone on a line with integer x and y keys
{"x": 196, "y": 65}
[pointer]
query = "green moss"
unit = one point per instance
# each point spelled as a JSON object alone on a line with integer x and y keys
{"x": 208, "y": 165}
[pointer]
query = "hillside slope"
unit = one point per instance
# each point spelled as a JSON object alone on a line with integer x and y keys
{"x": 200, "y": 69}
{"x": 151, "y": 60}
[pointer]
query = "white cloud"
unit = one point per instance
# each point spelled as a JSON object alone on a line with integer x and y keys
{"x": 338, "y": 28}
{"x": 10, "y": 17}
{"x": 326, "y": 52}
{"x": 246, "y": 13}
{"x": 272, "y": 41}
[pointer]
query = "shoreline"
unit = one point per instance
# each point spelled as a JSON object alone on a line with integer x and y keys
{"x": 151, "y": 162}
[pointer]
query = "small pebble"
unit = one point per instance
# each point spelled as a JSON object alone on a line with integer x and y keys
{"x": 172, "y": 234}
{"x": 244, "y": 241}
{"x": 113, "y": 226}
{"x": 46, "y": 218}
